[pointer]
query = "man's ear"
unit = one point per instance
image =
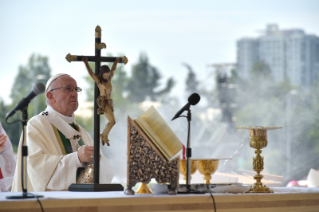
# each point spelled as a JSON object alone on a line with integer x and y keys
{"x": 50, "y": 97}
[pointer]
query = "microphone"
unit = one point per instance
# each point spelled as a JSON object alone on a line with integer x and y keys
{"x": 192, "y": 100}
{"x": 37, "y": 88}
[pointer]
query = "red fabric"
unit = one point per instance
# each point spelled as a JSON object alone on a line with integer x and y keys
{"x": 1, "y": 176}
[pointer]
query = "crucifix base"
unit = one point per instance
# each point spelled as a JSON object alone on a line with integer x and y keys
{"x": 95, "y": 187}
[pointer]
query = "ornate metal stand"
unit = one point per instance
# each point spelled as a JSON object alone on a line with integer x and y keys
{"x": 258, "y": 140}
{"x": 145, "y": 162}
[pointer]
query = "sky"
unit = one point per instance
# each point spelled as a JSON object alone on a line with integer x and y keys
{"x": 199, "y": 33}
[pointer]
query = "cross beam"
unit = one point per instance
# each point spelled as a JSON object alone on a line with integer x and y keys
{"x": 73, "y": 58}
{"x": 97, "y": 59}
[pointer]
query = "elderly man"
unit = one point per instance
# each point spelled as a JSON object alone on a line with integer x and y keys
{"x": 57, "y": 146}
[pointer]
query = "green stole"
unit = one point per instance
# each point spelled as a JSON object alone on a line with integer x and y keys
{"x": 65, "y": 143}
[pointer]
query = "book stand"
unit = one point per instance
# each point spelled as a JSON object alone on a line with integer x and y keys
{"x": 145, "y": 161}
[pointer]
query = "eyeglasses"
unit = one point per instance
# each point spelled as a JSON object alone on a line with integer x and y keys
{"x": 68, "y": 89}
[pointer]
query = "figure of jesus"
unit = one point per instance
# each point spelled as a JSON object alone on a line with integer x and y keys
{"x": 104, "y": 101}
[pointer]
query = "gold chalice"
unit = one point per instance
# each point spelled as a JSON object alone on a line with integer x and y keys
{"x": 183, "y": 167}
{"x": 207, "y": 167}
{"x": 258, "y": 140}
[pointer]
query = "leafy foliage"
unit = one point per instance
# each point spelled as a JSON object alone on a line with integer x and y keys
{"x": 145, "y": 82}
{"x": 36, "y": 70}
{"x": 89, "y": 91}
{"x": 191, "y": 81}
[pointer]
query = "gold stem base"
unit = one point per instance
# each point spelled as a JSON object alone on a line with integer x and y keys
{"x": 143, "y": 189}
{"x": 259, "y": 189}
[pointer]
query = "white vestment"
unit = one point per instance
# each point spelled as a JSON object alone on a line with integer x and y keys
{"x": 47, "y": 166}
{"x": 7, "y": 164}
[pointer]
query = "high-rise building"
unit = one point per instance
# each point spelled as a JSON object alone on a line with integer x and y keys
{"x": 290, "y": 54}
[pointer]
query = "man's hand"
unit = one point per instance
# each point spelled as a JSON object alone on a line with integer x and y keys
{"x": 3, "y": 140}
{"x": 85, "y": 154}
{"x": 124, "y": 60}
{"x": 84, "y": 59}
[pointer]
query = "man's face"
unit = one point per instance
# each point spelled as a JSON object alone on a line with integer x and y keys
{"x": 106, "y": 75}
{"x": 62, "y": 101}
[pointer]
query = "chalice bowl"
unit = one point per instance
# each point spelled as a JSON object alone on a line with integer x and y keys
{"x": 207, "y": 167}
{"x": 258, "y": 140}
{"x": 183, "y": 167}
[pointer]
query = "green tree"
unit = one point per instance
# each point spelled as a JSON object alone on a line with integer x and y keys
{"x": 89, "y": 91}
{"x": 145, "y": 82}
{"x": 311, "y": 105}
{"x": 191, "y": 81}
{"x": 260, "y": 70}
{"x": 36, "y": 70}
{"x": 119, "y": 82}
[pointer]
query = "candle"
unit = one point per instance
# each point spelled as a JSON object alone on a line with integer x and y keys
{"x": 183, "y": 152}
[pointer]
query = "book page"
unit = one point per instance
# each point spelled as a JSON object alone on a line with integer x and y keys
{"x": 162, "y": 130}
{"x": 154, "y": 138}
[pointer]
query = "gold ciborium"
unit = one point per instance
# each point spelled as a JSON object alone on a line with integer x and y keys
{"x": 183, "y": 167}
{"x": 258, "y": 140}
{"x": 207, "y": 167}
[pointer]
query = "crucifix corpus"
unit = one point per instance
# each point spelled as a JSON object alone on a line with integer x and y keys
{"x": 102, "y": 94}
{"x": 102, "y": 77}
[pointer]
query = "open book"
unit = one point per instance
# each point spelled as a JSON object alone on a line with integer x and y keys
{"x": 158, "y": 131}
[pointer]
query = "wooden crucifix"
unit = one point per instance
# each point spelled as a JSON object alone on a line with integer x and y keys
{"x": 97, "y": 59}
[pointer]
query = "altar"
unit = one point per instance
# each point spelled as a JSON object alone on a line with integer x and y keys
{"x": 283, "y": 199}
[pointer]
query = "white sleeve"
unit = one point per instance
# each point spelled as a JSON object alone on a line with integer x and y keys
{"x": 78, "y": 162}
{"x": 65, "y": 173}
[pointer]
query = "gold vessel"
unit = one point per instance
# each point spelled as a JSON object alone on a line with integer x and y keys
{"x": 143, "y": 189}
{"x": 87, "y": 175}
{"x": 183, "y": 167}
{"x": 258, "y": 140}
{"x": 207, "y": 167}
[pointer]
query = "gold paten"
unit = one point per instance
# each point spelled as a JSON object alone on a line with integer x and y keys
{"x": 208, "y": 167}
{"x": 98, "y": 31}
{"x": 100, "y": 45}
{"x": 258, "y": 140}
{"x": 183, "y": 167}
{"x": 143, "y": 189}
{"x": 70, "y": 57}
{"x": 86, "y": 175}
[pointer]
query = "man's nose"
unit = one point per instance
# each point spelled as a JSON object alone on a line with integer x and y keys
{"x": 74, "y": 92}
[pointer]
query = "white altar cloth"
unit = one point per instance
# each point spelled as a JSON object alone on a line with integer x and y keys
{"x": 120, "y": 194}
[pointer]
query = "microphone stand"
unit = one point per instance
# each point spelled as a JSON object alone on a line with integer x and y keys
{"x": 188, "y": 158}
{"x": 24, "y": 154}
{"x": 188, "y": 152}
